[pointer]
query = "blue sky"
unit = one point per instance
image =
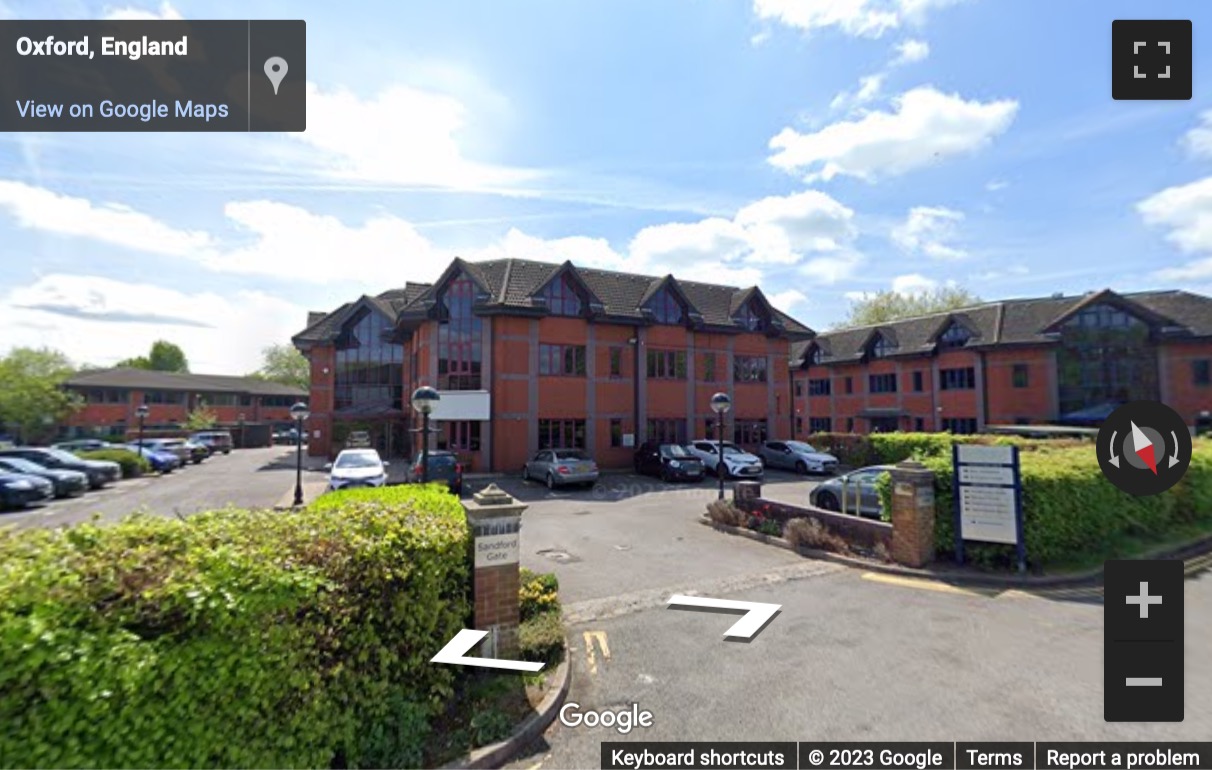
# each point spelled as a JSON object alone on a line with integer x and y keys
{"x": 821, "y": 149}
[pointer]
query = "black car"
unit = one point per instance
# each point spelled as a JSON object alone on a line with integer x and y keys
{"x": 18, "y": 490}
{"x": 670, "y": 462}
{"x": 99, "y": 472}
{"x": 66, "y": 483}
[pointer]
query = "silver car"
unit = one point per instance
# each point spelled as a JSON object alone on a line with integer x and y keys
{"x": 854, "y": 492}
{"x": 560, "y": 467}
{"x": 797, "y": 456}
{"x": 738, "y": 464}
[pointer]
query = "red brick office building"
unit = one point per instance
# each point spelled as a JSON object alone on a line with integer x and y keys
{"x": 1051, "y": 360}
{"x": 111, "y": 396}
{"x": 529, "y": 355}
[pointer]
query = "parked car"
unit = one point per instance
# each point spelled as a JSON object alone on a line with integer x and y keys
{"x": 83, "y": 445}
{"x": 561, "y": 467}
{"x": 668, "y": 461}
{"x": 161, "y": 461}
{"x": 738, "y": 464}
{"x": 197, "y": 452}
{"x": 99, "y": 472}
{"x": 65, "y": 483}
{"x": 18, "y": 490}
{"x": 215, "y": 440}
{"x": 797, "y": 456}
{"x": 175, "y": 446}
{"x": 286, "y": 436}
{"x": 358, "y": 439}
{"x": 357, "y": 468}
{"x": 444, "y": 466}
{"x": 853, "y": 492}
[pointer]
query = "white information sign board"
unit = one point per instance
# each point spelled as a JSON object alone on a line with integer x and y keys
{"x": 988, "y": 500}
{"x": 987, "y": 514}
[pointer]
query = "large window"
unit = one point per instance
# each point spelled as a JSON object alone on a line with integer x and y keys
{"x": 667, "y": 431}
{"x": 281, "y": 401}
{"x": 1020, "y": 376}
{"x": 749, "y": 368}
{"x": 821, "y": 387}
{"x": 461, "y": 436}
{"x": 1201, "y": 373}
{"x": 815, "y": 356}
{"x": 225, "y": 399}
{"x": 963, "y": 378}
{"x": 881, "y": 383}
{"x": 163, "y": 397}
{"x": 563, "y": 360}
{"x": 562, "y": 298}
{"x": 820, "y": 424}
{"x": 956, "y": 336}
{"x": 460, "y": 331}
{"x": 707, "y": 367}
{"x": 616, "y": 432}
{"x": 561, "y": 434}
{"x": 106, "y": 396}
{"x": 917, "y": 382}
{"x": 1106, "y": 357}
{"x": 750, "y": 319}
{"x": 667, "y": 364}
{"x": 665, "y": 308}
{"x": 959, "y": 425}
{"x": 749, "y": 432}
{"x": 369, "y": 374}
{"x": 880, "y": 347}
{"x": 616, "y": 362}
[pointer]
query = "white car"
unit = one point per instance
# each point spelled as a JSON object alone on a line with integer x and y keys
{"x": 357, "y": 468}
{"x": 738, "y": 463}
{"x": 797, "y": 456}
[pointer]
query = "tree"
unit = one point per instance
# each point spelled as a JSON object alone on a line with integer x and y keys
{"x": 164, "y": 357}
{"x": 32, "y": 400}
{"x": 201, "y": 418}
{"x": 284, "y": 364}
{"x": 885, "y": 306}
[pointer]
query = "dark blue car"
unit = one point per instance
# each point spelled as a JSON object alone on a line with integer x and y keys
{"x": 161, "y": 461}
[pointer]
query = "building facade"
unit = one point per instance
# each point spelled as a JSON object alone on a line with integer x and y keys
{"x": 111, "y": 396}
{"x": 531, "y": 355}
{"x": 1055, "y": 360}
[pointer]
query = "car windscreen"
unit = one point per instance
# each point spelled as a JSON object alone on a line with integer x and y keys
{"x": 62, "y": 456}
{"x": 571, "y": 454}
{"x": 20, "y": 465}
{"x": 674, "y": 450}
{"x": 731, "y": 450}
{"x": 441, "y": 462}
{"x": 800, "y": 446}
{"x": 357, "y": 461}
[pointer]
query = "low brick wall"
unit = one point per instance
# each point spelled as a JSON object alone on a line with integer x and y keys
{"x": 863, "y": 534}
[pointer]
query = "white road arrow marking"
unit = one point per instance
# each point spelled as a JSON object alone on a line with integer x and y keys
{"x": 1114, "y": 457}
{"x": 757, "y": 614}
{"x": 456, "y": 649}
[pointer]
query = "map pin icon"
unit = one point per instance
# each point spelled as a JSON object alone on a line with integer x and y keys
{"x": 275, "y": 70}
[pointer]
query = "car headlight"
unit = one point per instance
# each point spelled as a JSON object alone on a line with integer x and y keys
{"x": 675, "y": 463}
{"x": 21, "y": 485}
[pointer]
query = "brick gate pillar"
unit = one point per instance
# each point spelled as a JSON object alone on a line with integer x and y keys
{"x": 912, "y": 514}
{"x": 495, "y": 519}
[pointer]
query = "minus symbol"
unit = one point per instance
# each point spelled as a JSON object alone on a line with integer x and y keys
{"x": 1144, "y": 681}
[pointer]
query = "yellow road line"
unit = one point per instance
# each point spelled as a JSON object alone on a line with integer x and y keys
{"x": 925, "y": 585}
{"x": 591, "y": 654}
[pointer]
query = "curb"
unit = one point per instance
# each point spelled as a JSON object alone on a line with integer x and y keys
{"x": 1187, "y": 551}
{"x": 497, "y": 754}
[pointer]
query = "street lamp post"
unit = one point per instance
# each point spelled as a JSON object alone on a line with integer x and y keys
{"x": 300, "y": 413}
{"x": 240, "y": 420}
{"x": 720, "y": 404}
{"x": 424, "y": 399}
{"x": 141, "y": 412}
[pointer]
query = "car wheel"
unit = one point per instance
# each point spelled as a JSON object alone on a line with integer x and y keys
{"x": 551, "y": 481}
{"x": 525, "y": 473}
{"x": 665, "y": 475}
{"x": 801, "y": 468}
{"x": 828, "y": 501}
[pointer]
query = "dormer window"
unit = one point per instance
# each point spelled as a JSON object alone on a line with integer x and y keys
{"x": 665, "y": 308}
{"x": 815, "y": 356}
{"x": 1103, "y": 316}
{"x": 750, "y": 319}
{"x": 562, "y": 298}
{"x": 880, "y": 347}
{"x": 956, "y": 336}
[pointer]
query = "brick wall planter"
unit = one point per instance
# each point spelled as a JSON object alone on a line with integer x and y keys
{"x": 862, "y": 534}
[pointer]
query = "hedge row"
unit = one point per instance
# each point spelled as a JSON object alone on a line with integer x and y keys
{"x": 858, "y": 449}
{"x": 234, "y": 638}
{"x": 133, "y": 464}
{"x": 1070, "y": 511}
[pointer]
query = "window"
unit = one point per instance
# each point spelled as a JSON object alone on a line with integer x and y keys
{"x": 460, "y": 331}
{"x": 667, "y": 431}
{"x": 279, "y": 401}
{"x": 665, "y": 308}
{"x": 849, "y": 384}
{"x": 821, "y": 387}
{"x": 616, "y": 432}
{"x": 616, "y": 362}
{"x": 919, "y": 424}
{"x": 561, "y": 434}
{"x": 562, "y": 298}
{"x": 708, "y": 368}
{"x": 1106, "y": 356}
{"x": 957, "y": 379}
{"x": 749, "y": 432}
{"x": 820, "y": 424}
{"x": 917, "y": 382}
{"x": 850, "y": 425}
{"x": 667, "y": 364}
{"x": 799, "y": 425}
{"x": 880, "y": 347}
{"x": 106, "y": 396}
{"x": 1201, "y": 373}
{"x": 1019, "y": 376}
{"x": 163, "y": 397}
{"x": 816, "y": 356}
{"x": 462, "y": 435}
{"x": 799, "y": 389}
{"x": 750, "y": 319}
{"x": 959, "y": 425}
{"x": 956, "y": 336}
{"x": 562, "y": 360}
{"x": 225, "y": 399}
{"x": 881, "y": 383}
{"x": 749, "y": 368}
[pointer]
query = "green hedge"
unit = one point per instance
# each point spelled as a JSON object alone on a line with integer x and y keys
{"x": 133, "y": 464}
{"x": 233, "y": 638}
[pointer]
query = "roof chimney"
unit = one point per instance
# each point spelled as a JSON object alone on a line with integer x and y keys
{"x": 1058, "y": 295}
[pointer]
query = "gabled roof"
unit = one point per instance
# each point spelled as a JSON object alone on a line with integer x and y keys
{"x": 328, "y": 327}
{"x": 143, "y": 379}
{"x": 1016, "y": 322}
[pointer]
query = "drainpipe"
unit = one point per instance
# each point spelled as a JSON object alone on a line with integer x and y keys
{"x": 635, "y": 389}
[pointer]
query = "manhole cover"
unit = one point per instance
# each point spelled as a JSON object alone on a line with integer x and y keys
{"x": 563, "y": 557}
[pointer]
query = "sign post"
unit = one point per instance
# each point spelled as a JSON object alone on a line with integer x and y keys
{"x": 496, "y": 523}
{"x": 988, "y": 497}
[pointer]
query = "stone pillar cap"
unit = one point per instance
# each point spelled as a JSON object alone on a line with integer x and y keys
{"x": 492, "y": 495}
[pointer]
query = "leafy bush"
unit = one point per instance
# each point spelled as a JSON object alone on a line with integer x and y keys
{"x": 133, "y": 464}
{"x": 232, "y": 638}
{"x": 537, "y": 594}
{"x": 541, "y": 638}
{"x": 810, "y": 533}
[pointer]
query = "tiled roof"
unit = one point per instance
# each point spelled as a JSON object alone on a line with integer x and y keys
{"x": 140, "y": 379}
{"x": 514, "y": 283}
{"x": 1010, "y": 322}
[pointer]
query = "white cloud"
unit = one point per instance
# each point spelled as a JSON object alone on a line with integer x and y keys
{"x": 786, "y": 300}
{"x": 928, "y": 231}
{"x": 913, "y": 283}
{"x": 859, "y": 18}
{"x": 925, "y": 126}
{"x": 994, "y": 185}
{"x": 910, "y": 51}
{"x": 100, "y": 321}
{"x": 1198, "y": 140}
{"x": 1000, "y": 274}
{"x": 166, "y": 12}
{"x": 1186, "y": 211}
{"x": 868, "y": 90}
{"x": 759, "y": 38}
{"x": 832, "y": 269}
